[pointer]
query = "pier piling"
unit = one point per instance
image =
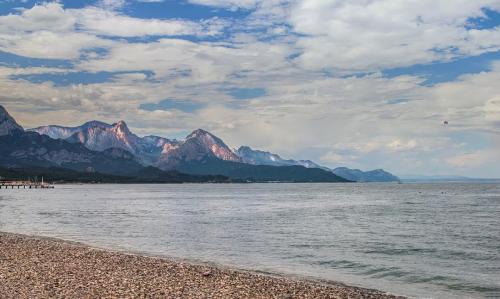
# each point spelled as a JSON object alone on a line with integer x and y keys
{"x": 25, "y": 184}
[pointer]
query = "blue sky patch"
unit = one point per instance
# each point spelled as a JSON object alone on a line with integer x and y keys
{"x": 94, "y": 53}
{"x": 155, "y": 38}
{"x": 9, "y": 6}
{"x": 246, "y": 93}
{"x": 13, "y": 60}
{"x": 470, "y": 141}
{"x": 448, "y": 71}
{"x": 491, "y": 20}
{"x": 66, "y": 79}
{"x": 179, "y": 10}
{"x": 398, "y": 101}
{"x": 172, "y": 104}
{"x": 168, "y": 9}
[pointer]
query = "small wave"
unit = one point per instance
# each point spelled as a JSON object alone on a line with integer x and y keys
{"x": 300, "y": 256}
{"x": 396, "y": 273}
{"x": 373, "y": 271}
{"x": 400, "y": 251}
{"x": 313, "y": 246}
{"x": 447, "y": 282}
{"x": 487, "y": 291}
{"x": 343, "y": 264}
{"x": 454, "y": 254}
{"x": 412, "y": 203}
{"x": 50, "y": 214}
{"x": 433, "y": 279}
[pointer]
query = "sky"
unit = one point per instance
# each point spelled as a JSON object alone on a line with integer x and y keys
{"x": 359, "y": 83}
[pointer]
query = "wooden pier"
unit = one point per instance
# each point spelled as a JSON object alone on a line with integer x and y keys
{"x": 24, "y": 185}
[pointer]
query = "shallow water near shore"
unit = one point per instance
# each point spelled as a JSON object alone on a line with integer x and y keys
{"x": 420, "y": 240}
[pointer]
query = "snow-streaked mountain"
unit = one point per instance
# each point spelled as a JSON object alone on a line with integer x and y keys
{"x": 59, "y": 132}
{"x": 157, "y": 141}
{"x": 150, "y": 150}
{"x": 257, "y": 157}
{"x": 212, "y": 144}
{"x": 8, "y": 124}
{"x": 99, "y": 136}
{"x": 197, "y": 146}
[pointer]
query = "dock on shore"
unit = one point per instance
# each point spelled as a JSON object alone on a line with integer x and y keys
{"x": 25, "y": 185}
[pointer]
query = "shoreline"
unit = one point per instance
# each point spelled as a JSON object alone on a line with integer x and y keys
{"x": 41, "y": 267}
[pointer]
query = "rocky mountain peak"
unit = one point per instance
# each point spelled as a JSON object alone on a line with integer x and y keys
{"x": 121, "y": 129}
{"x": 212, "y": 144}
{"x": 95, "y": 124}
{"x": 207, "y": 138}
{"x": 8, "y": 124}
{"x": 244, "y": 148}
{"x": 199, "y": 133}
{"x": 121, "y": 125}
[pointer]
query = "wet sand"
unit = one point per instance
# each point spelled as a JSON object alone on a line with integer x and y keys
{"x": 38, "y": 267}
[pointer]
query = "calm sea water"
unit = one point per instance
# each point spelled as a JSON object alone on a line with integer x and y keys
{"x": 421, "y": 240}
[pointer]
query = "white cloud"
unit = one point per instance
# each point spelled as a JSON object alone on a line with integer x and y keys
{"x": 111, "y": 4}
{"x": 334, "y": 158}
{"x": 50, "y": 31}
{"x": 110, "y": 23}
{"x": 232, "y": 4}
{"x": 399, "y": 145}
{"x": 47, "y": 44}
{"x": 45, "y": 31}
{"x": 474, "y": 159}
{"x": 48, "y": 16}
{"x": 369, "y": 35}
{"x": 204, "y": 63}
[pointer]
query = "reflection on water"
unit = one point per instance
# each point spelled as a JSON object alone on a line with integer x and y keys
{"x": 428, "y": 240}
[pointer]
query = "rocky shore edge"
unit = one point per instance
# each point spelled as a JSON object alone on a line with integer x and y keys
{"x": 40, "y": 267}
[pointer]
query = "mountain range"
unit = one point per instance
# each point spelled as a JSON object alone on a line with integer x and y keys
{"x": 256, "y": 157}
{"x": 445, "y": 179}
{"x": 114, "y": 150}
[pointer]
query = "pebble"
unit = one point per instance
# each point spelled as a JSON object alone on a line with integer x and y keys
{"x": 37, "y": 267}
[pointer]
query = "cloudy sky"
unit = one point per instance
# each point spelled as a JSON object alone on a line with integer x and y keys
{"x": 360, "y": 83}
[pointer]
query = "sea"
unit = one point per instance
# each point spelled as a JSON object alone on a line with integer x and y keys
{"x": 428, "y": 240}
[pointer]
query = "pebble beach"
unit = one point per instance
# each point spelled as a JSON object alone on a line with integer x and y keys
{"x": 38, "y": 267}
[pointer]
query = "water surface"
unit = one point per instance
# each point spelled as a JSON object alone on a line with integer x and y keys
{"x": 421, "y": 240}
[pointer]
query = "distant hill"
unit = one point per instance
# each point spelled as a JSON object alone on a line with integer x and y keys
{"x": 55, "y": 174}
{"x": 377, "y": 175}
{"x": 444, "y": 179}
{"x": 257, "y": 157}
{"x": 259, "y": 173}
